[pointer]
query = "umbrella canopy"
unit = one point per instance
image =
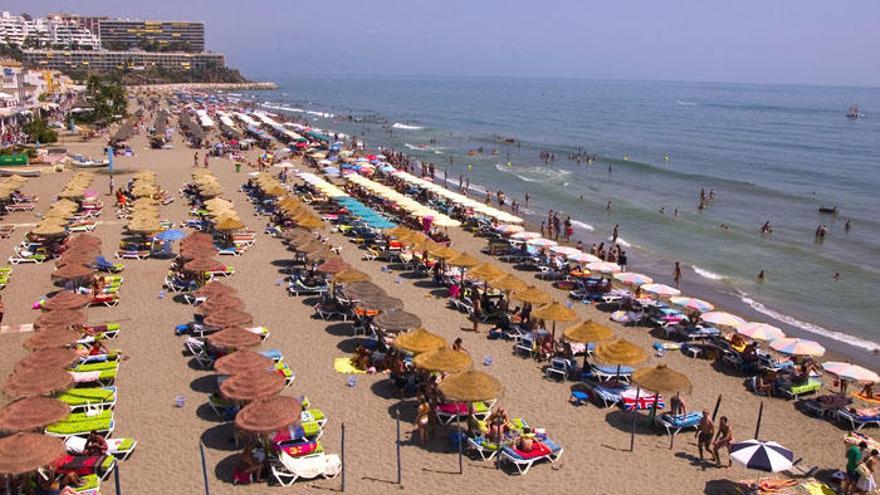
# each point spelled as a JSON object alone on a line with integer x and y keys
{"x": 220, "y": 302}
{"x": 541, "y": 242}
{"x": 621, "y": 352}
{"x": 363, "y": 289}
{"x": 760, "y": 331}
{"x": 52, "y": 338}
{"x": 234, "y": 338}
{"x": 397, "y": 321}
{"x": 603, "y": 267}
{"x": 588, "y": 331}
{"x": 419, "y": 341}
{"x": 72, "y": 271}
{"x": 251, "y": 385}
{"x": 335, "y": 265}
{"x": 632, "y": 278}
{"x": 471, "y": 386}
{"x": 379, "y": 303}
{"x": 214, "y": 288}
{"x": 200, "y": 265}
{"x": 722, "y": 319}
{"x": 486, "y": 271}
{"x": 508, "y": 283}
{"x": 61, "y": 318}
{"x": 32, "y": 413}
{"x": 228, "y": 318}
{"x": 765, "y": 456}
{"x": 797, "y": 347}
{"x": 443, "y": 253}
{"x": 41, "y": 381}
{"x": 25, "y": 452}
{"x": 851, "y": 372}
{"x": 229, "y": 224}
{"x": 54, "y": 357}
{"x": 350, "y": 276}
{"x": 297, "y": 236}
{"x": 661, "y": 379}
{"x": 266, "y": 415}
{"x": 525, "y": 236}
{"x": 660, "y": 290}
{"x": 310, "y": 222}
{"x": 66, "y": 300}
{"x": 464, "y": 260}
{"x": 692, "y": 303}
{"x": 444, "y": 359}
{"x": 171, "y": 235}
{"x": 555, "y": 311}
{"x": 531, "y": 295}
{"x": 242, "y": 361}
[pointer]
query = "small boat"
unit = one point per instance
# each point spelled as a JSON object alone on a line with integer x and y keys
{"x": 828, "y": 210}
{"x": 24, "y": 173}
{"x": 81, "y": 161}
{"x": 854, "y": 113}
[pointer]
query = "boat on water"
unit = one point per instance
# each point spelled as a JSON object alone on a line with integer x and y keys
{"x": 828, "y": 210}
{"x": 854, "y": 113}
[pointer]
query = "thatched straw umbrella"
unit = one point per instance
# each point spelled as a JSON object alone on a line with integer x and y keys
{"x": 61, "y": 318}
{"x": 32, "y": 413}
{"x": 587, "y": 333}
{"x": 251, "y": 385}
{"x": 66, "y": 300}
{"x": 555, "y": 312}
{"x": 397, "y": 321}
{"x": 52, "y": 338}
{"x": 234, "y": 338}
{"x": 242, "y": 361}
{"x": 53, "y": 357}
{"x": 443, "y": 360}
{"x": 23, "y": 453}
{"x": 419, "y": 341}
{"x": 41, "y": 381}
{"x": 266, "y": 415}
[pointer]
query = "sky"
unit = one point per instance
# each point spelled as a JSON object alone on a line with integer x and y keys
{"x": 776, "y": 41}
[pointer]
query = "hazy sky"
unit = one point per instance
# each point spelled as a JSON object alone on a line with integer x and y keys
{"x": 777, "y": 41}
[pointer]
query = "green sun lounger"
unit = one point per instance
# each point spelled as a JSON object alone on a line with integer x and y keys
{"x": 795, "y": 391}
{"x": 89, "y": 485}
{"x": 83, "y": 423}
{"x": 95, "y": 397}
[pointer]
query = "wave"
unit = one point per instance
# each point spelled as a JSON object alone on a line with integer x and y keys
{"x": 621, "y": 241}
{"x": 809, "y": 327}
{"x": 398, "y": 125}
{"x": 582, "y": 225}
{"x": 282, "y": 107}
{"x": 535, "y": 174}
{"x": 320, "y": 114}
{"x": 685, "y": 103}
{"x": 423, "y": 147}
{"x": 707, "y": 274}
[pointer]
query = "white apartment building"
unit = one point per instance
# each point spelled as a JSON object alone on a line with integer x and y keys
{"x": 47, "y": 32}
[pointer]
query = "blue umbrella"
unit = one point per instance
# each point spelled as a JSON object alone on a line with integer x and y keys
{"x": 171, "y": 235}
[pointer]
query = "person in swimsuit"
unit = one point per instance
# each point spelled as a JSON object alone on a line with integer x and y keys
{"x": 423, "y": 416}
{"x": 724, "y": 439}
{"x": 705, "y": 431}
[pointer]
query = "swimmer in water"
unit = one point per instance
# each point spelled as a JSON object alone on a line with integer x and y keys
{"x": 761, "y": 276}
{"x": 608, "y": 206}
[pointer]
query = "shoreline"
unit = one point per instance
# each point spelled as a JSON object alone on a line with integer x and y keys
{"x": 171, "y": 87}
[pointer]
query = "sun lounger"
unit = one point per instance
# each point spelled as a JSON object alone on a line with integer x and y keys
{"x": 199, "y": 351}
{"x": 609, "y": 372}
{"x": 674, "y": 424}
{"x": 83, "y": 423}
{"x": 297, "y": 287}
{"x": 6, "y": 231}
{"x": 135, "y": 254}
{"x": 23, "y": 206}
{"x": 523, "y": 461}
{"x": 27, "y": 257}
{"x": 633, "y": 399}
{"x": 486, "y": 449}
{"x": 825, "y": 405}
{"x": 328, "y": 310}
{"x": 859, "y": 419}
{"x": 85, "y": 465}
{"x": 89, "y": 485}
{"x": 90, "y": 398}
{"x": 288, "y": 469}
{"x": 559, "y": 367}
{"x": 794, "y": 391}
{"x": 308, "y": 430}
{"x": 102, "y": 373}
{"x": 449, "y": 412}
{"x": 104, "y": 265}
{"x": 607, "y": 394}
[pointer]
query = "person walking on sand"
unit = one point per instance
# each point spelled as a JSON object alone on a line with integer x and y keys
{"x": 723, "y": 440}
{"x": 676, "y": 274}
{"x": 423, "y": 417}
{"x": 196, "y": 160}
{"x": 527, "y": 197}
{"x": 854, "y": 455}
{"x": 206, "y": 160}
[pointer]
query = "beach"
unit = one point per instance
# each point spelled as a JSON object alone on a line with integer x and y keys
{"x": 596, "y": 441}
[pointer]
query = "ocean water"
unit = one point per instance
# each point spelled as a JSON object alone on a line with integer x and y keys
{"x": 769, "y": 153}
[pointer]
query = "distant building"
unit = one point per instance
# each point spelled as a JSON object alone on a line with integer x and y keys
{"x": 164, "y": 36}
{"x": 45, "y": 32}
{"x": 109, "y": 60}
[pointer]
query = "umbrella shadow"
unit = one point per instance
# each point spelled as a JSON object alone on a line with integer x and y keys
{"x": 385, "y": 389}
{"x": 283, "y": 263}
{"x": 440, "y": 293}
{"x": 349, "y": 345}
{"x": 425, "y": 284}
{"x": 205, "y": 412}
{"x": 224, "y": 469}
{"x": 724, "y": 487}
{"x": 414, "y": 275}
{"x": 204, "y": 384}
{"x": 220, "y": 437}
{"x": 623, "y": 421}
{"x": 341, "y": 329}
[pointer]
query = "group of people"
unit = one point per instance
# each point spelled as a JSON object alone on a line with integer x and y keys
{"x": 861, "y": 463}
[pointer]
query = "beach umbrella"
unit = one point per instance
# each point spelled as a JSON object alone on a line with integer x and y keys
{"x": 228, "y": 318}
{"x": 660, "y": 290}
{"x": 379, "y": 303}
{"x": 508, "y": 283}
{"x": 584, "y": 258}
{"x": 334, "y": 266}
{"x": 214, "y": 288}
{"x": 66, "y": 300}
{"x": 229, "y": 224}
{"x": 764, "y": 456}
{"x": 201, "y": 265}
{"x": 541, "y": 242}
{"x": 350, "y": 276}
{"x": 471, "y": 386}
{"x": 397, "y": 321}
{"x": 531, "y": 295}
{"x": 32, "y": 413}
{"x": 603, "y": 267}
{"x": 251, "y": 385}
{"x": 661, "y": 379}
{"x": 565, "y": 251}
{"x": 49, "y": 230}
{"x": 620, "y": 352}
{"x": 443, "y": 360}
{"x": 692, "y": 303}
{"x": 760, "y": 331}
{"x": 84, "y": 240}
{"x": 525, "y": 236}
{"x": 485, "y": 271}
{"x": 23, "y": 453}
{"x": 197, "y": 238}
{"x": 632, "y": 279}
{"x": 851, "y": 372}
{"x": 419, "y": 341}
{"x": 52, "y": 338}
{"x": 234, "y": 338}
{"x": 72, "y": 271}
{"x": 587, "y": 332}
{"x": 312, "y": 246}
{"x": 797, "y": 347}
{"x": 61, "y": 318}
{"x": 241, "y": 362}
{"x": 357, "y": 290}
{"x": 53, "y": 357}
{"x": 554, "y": 312}
{"x": 297, "y": 236}
{"x": 220, "y": 302}
{"x": 321, "y": 255}
{"x": 463, "y": 260}
{"x": 197, "y": 252}
{"x": 40, "y": 381}
{"x": 171, "y": 235}
{"x": 269, "y": 414}
{"x": 443, "y": 253}
{"x": 722, "y": 319}
{"x": 509, "y": 228}
{"x": 311, "y": 222}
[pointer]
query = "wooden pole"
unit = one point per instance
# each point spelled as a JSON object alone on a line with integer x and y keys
{"x": 204, "y": 468}
{"x": 460, "y": 454}
{"x": 760, "y": 415}
{"x": 397, "y": 413}
{"x": 116, "y": 480}
{"x": 717, "y": 406}
{"x": 632, "y": 436}
{"x": 342, "y": 454}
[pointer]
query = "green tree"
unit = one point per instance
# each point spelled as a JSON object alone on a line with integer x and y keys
{"x": 38, "y": 131}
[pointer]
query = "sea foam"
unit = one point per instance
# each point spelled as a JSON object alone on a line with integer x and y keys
{"x": 707, "y": 274}
{"x": 398, "y": 125}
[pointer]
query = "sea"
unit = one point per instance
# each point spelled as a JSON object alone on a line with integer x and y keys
{"x": 765, "y": 152}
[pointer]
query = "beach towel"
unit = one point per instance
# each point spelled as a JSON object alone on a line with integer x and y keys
{"x": 85, "y": 377}
{"x": 343, "y": 365}
{"x": 818, "y": 488}
{"x": 538, "y": 450}
{"x": 299, "y": 449}
{"x": 646, "y": 400}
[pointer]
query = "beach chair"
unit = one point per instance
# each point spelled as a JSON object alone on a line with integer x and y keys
{"x": 298, "y": 287}
{"x": 608, "y": 395}
{"x": 675, "y": 424}
{"x": 120, "y": 448}
{"x": 108, "y": 300}
{"x": 523, "y": 461}
{"x": 199, "y": 352}
{"x": 102, "y": 264}
{"x": 287, "y": 469}
{"x": 791, "y": 391}
{"x": 103, "y": 373}
{"x": 483, "y": 447}
{"x": 558, "y": 367}
{"x": 328, "y": 311}
{"x": 858, "y": 419}
{"x": 133, "y": 254}
{"x": 89, "y": 398}
{"x": 609, "y": 372}
{"x": 83, "y": 423}
{"x": 525, "y": 346}
{"x": 6, "y": 230}
{"x": 22, "y": 256}
{"x": 451, "y": 411}
{"x": 825, "y": 406}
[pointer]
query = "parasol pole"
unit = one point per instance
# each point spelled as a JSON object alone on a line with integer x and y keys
{"x": 632, "y": 436}
{"x": 204, "y": 468}
{"x": 760, "y": 415}
{"x": 717, "y": 406}
{"x": 116, "y": 480}
{"x": 460, "y": 455}
{"x": 342, "y": 455}
{"x": 397, "y": 414}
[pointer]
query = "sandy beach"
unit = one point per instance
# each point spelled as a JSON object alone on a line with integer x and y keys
{"x": 596, "y": 441}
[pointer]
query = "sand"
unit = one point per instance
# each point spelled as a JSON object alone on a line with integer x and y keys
{"x": 596, "y": 441}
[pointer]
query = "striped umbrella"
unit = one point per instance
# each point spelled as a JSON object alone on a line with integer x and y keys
{"x": 565, "y": 251}
{"x": 760, "y": 331}
{"x": 851, "y": 372}
{"x": 693, "y": 303}
{"x": 632, "y": 278}
{"x": 584, "y": 258}
{"x": 541, "y": 242}
{"x": 797, "y": 347}
{"x": 766, "y": 456}
{"x": 509, "y": 229}
{"x": 603, "y": 267}
{"x": 660, "y": 290}
{"x": 722, "y": 319}
{"x": 525, "y": 236}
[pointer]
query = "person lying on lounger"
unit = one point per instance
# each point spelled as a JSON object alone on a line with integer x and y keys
{"x": 95, "y": 444}
{"x": 526, "y": 441}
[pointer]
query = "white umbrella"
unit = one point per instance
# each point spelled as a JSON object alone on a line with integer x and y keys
{"x": 540, "y": 242}
{"x": 851, "y": 372}
{"x": 566, "y": 251}
{"x": 660, "y": 290}
{"x": 766, "y": 456}
{"x": 760, "y": 331}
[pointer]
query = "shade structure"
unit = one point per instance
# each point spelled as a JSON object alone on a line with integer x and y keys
{"x": 25, "y": 452}
{"x": 760, "y": 331}
{"x": 400, "y": 231}
{"x": 722, "y": 319}
{"x": 61, "y": 318}
{"x": 334, "y": 266}
{"x": 661, "y": 379}
{"x": 229, "y": 224}
{"x": 419, "y": 341}
{"x": 214, "y": 288}
{"x": 234, "y": 338}
{"x": 471, "y": 386}
{"x": 555, "y": 311}
{"x": 52, "y": 338}
{"x": 444, "y": 359}
{"x": 363, "y": 289}
{"x": 603, "y": 267}
{"x": 33, "y": 383}
{"x": 251, "y": 385}
{"x": 171, "y": 235}
{"x": 321, "y": 255}
{"x": 692, "y": 303}
{"x": 588, "y": 331}
{"x": 443, "y": 253}
{"x": 379, "y": 303}
{"x": 312, "y": 246}
{"x": 56, "y": 357}
{"x": 297, "y": 236}
{"x": 851, "y": 372}
{"x": 201, "y": 265}
{"x": 797, "y": 347}
{"x": 197, "y": 238}
{"x": 350, "y": 276}
{"x": 463, "y": 260}
{"x": 397, "y": 321}
{"x": 659, "y": 290}
{"x": 311, "y": 222}
{"x": 632, "y": 278}
{"x": 72, "y": 271}
{"x": 49, "y": 230}
{"x": 620, "y": 352}
{"x": 220, "y": 302}
{"x": 486, "y": 271}
{"x": 242, "y": 361}
{"x": 531, "y": 295}
{"x": 66, "y": 300}
{"x": 525, "y": 236}
{"x": 228, "y": 318}
{"x": 32, "y": 413}
{"x": 764, "y": 456}
{"x": 267, "y": 415}
{"x": 541, "y": 242}
{"x": 508, "y": 283}
{"x": 197, "y": 252}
